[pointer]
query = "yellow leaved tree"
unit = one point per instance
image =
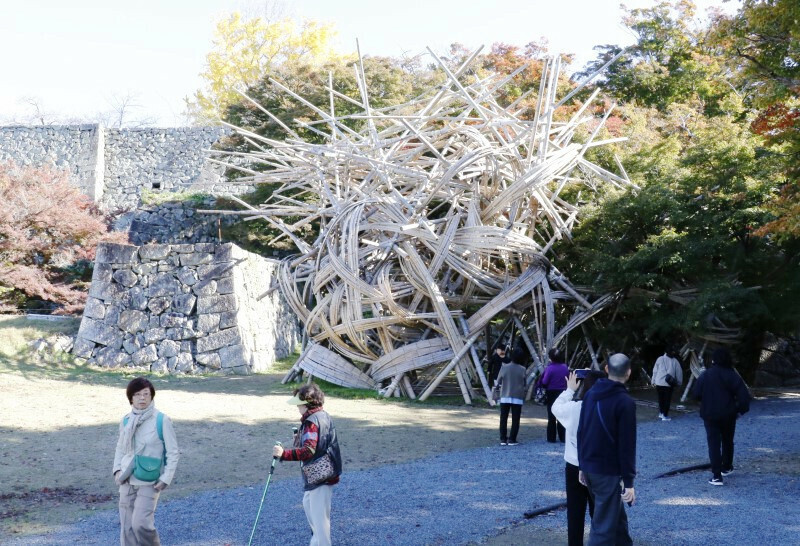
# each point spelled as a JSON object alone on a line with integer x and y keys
{"x": 246, "y": 49}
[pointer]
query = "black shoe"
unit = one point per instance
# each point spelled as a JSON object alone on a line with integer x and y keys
{"x": 727, "y": 472}
{"x": 715, "y": 481}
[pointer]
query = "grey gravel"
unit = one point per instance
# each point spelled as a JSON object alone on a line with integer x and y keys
{"x": 467, "y": 496}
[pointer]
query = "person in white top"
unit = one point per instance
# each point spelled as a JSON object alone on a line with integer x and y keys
{"x": 667, "y": 375}
{"x": 144, "y": 464}
{"x": 567, "y": 409}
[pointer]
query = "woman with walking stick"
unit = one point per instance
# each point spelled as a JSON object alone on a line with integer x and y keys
{"x": 317, "y": 449}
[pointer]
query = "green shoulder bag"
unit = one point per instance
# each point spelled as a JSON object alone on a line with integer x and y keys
{"x": 148, "y": 469}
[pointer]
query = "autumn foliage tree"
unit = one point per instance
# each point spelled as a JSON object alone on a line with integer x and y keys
{"x": 48, "y": 235}
{"x": 247, "y": 48}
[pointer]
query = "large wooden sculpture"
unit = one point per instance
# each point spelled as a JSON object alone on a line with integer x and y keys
{"x": 436, "y": 219}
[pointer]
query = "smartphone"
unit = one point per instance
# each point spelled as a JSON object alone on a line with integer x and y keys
{"x": 581, "y": 373}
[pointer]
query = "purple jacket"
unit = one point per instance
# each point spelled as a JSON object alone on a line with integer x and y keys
{"x": 554, "y": 377}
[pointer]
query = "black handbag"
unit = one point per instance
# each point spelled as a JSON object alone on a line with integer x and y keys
{"x": 671, "y": 381}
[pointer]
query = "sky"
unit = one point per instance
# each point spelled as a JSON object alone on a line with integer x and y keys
{"x": 68, "y": 62}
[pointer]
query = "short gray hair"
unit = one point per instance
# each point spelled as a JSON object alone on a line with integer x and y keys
{"x": 619, "y": 365}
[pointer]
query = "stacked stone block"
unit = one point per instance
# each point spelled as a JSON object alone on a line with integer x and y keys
{"x": 172, "y": 222}
{"x": 185, "y": 308}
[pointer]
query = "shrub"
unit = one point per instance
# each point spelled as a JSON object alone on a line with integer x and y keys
{"x": 48, "y": 235}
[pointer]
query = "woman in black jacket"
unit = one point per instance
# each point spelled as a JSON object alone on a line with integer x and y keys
{"x": 723, "y": 397}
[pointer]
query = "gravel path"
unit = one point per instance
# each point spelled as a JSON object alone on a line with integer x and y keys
{"x": 466, "y": 496}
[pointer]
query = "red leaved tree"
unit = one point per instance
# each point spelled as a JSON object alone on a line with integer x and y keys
{"x": 48, "y": 229}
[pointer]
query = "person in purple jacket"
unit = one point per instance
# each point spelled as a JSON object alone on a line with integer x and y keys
{"x": 554, "y": 381}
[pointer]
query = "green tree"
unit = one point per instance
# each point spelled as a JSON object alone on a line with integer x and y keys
{"x": 762, "y": 45}
{"x": 686, "y": 247}
{"x": 669, "y": 63}
{"x": 683, "y": 247}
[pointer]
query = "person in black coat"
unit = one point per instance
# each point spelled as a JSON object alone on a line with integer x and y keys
{"x": 723, "y": 397}
{"x": 496, "y": 361}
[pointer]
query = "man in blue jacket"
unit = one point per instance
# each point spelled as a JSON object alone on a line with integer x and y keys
{"x": 607, "y": 452}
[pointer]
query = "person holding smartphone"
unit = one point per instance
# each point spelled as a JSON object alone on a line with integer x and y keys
{"x": 567, "y": 409}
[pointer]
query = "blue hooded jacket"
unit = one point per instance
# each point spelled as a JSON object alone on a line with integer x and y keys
{"x": 607, "y": 431}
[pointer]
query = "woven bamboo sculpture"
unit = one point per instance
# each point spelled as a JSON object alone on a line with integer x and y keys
{"x": 435, "y": 220}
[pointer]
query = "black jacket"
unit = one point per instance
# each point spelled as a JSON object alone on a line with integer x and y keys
{"x": 722, "y": 393}
{"x": 607, "y": 431}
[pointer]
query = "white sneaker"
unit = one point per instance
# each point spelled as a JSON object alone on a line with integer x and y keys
{"x": 665, "y": 418}
{"x": 661, "y": 416}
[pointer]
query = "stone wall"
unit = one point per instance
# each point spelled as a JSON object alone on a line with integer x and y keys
{"x": 779, "y": 364}
{"x": 74, "y": 148}
{"x": 172, "y": 222}
{"x": 190, "y": 308}
{"x": 113, "y": 166}
{"x": 159, "y": 159}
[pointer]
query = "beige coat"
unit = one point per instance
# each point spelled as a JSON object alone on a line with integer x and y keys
{"x": 147, "y": 443}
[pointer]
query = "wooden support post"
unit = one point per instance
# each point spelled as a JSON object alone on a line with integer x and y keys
{"x": 389, "y": 391}
{"x": 409, "y": 388}
{"x": 478, "y": 368}
{"x": 447, "y": 369}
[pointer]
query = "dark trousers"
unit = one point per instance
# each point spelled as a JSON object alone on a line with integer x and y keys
{"x": 664, "y": 399}
{"x": 578, "y": 498}
{"x": 516, "y": 411}
{"x": 553, "y": 425}
{"x": 609, "y": 521}
{"x": 719, "y": 433}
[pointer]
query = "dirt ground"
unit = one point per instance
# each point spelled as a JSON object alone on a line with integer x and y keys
{"x": 58, "y": 437}
{"x": 58, "y": 432}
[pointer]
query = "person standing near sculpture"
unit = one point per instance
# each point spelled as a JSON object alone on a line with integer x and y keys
{"x": 567, "y": 409}
{"x": 607, "y": 452}
{"x": 723, "y": 397}
{"x": 496, "y": 361}
{"x": 554, "y": 380}
{"x": 667, "y": 375}
{"x": 316, "y": 446}
{"x": 512, "y": 394}
{"x": 144, "y": 464}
